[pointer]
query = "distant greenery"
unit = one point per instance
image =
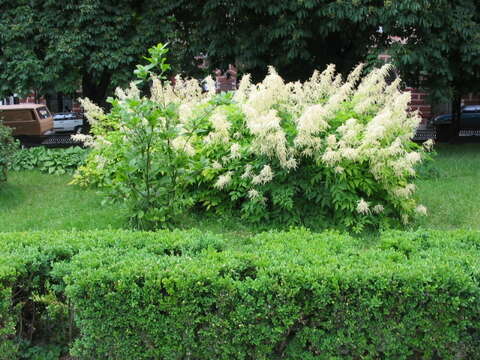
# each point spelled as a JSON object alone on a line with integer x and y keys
{"x": 440, "y": 47}
{"x": 55, "y": 46}
{"x": 51, "y": 161}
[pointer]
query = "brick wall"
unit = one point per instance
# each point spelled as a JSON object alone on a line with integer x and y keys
{"x": 471, "y": 99}
{"x": 30, "y": 99}
{"x": 226, "y": 81}
{"x": 420, "y": 102}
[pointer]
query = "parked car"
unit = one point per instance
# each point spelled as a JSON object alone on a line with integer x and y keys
{"x": 469, "y": 120}
{"x": 68, "y": 122}
{"x": 30, "y": 122}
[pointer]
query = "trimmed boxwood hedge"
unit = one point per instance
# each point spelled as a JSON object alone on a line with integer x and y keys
{"x": 290, "y": 295}
{"x": 33, "y": 307}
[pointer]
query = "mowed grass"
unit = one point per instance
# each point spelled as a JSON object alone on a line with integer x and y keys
{"x": 451, "y": 191}
{"x": 31, "y": 200}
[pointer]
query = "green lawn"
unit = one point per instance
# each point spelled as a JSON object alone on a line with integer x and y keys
{"x": 34, "y": 201}
{"x": 452, "y": 192}
{"x": 31, "y": 200}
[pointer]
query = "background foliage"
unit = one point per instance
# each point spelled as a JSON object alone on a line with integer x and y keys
{"x": 49, "y": 45}
{"x": 440, "y": 48}
{"x": 62, "y": 46}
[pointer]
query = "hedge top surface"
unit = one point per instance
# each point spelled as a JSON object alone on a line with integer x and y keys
{"x": 396, "y": 254}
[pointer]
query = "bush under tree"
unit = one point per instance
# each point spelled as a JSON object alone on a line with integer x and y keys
{"x": 329, "y": 150}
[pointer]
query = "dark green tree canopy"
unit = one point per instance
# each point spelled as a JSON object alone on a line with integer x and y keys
{"x": 294, "y": 36}
{"x": 441, "y": 44}
{"x": 60, "y": 45}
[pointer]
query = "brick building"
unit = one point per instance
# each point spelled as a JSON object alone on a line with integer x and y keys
{"x": 420, "y": 100}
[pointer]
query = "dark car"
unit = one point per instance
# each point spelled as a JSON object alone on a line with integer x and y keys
{"x": 469, "y": 120}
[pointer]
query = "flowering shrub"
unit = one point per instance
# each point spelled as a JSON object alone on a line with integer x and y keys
{"x": 327, "y": 150}
{"x": 141, "y": 150}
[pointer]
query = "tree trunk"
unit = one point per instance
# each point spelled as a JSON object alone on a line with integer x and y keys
{"x": 96, "y": 88}
{"x": 456, "y": 113}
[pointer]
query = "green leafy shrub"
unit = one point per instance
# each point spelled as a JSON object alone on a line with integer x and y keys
{"x": 35, "y": 315}
{"x": 8, "y": 146}
{"x": 326, "y": 150}
{"x": 139, "y": 159}
{"x": 290, "y": 295}
{"x": 51, "y": 161}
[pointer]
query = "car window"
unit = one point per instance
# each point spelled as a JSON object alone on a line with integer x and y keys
{"x": 17, "y": 115}
{"x": 471, "y": 109}
{"x": 43, "y": 113}
{"x": 71, "y": 116}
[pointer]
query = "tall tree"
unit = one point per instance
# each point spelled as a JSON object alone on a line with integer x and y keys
{"x": 96, "y": 43}
{"x": 294, "y": 36}
{"x": 22, "y": 66}
{"x": 440, "y": 47}
{"x": 60, "y": 45}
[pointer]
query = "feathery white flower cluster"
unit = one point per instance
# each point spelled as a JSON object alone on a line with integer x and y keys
{"x": 265, "y": 176}
{"x": 221, "y": 127}
{"x": 223, "y": 180}
{"x": 428, "y": 145}
{"x": 363, "y": 207}
{"x": 93, "y": 112}
{"x": 87, "y": 140}
{"x": 378, "y": 209}
{"x": 186, "y": 92}
{"x": 406, "y": 191}
{"x": 372, "y": 90}
{"x": 235, "y": 151}
{"x": 421, "y": 210}
{"x": 374, "y": 138}
{"x": 248, "y": 172}
{"x": 262, "y": 119}
{"x": 181, "y": 144}
{"x": 216, "y": 165}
